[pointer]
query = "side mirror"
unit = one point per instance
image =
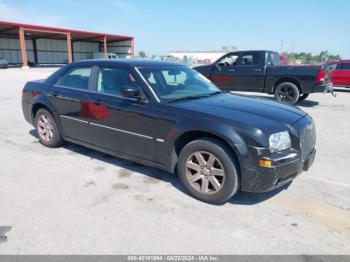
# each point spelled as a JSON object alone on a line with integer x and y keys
{"x": 130, "y": 91}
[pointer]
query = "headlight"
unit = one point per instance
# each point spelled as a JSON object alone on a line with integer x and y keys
{"x": 279, "y": 141}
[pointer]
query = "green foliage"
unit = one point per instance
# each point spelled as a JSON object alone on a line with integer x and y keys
{"x": 308, "y": 58}
{"x": 142, "y": 54}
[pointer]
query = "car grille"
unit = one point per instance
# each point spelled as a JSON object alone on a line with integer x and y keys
{"x": 307, "y": 140}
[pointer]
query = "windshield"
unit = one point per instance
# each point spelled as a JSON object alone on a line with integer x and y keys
{"x": 177, "y": 82}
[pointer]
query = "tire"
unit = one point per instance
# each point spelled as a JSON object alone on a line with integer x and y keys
{"x": 214, "y": 172}
{"x": 287, "y": 93}
{"x": 47, "y": 129}
{"x": 302, "y": 97}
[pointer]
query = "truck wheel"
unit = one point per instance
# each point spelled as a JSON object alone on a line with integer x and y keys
{"x": 302, "y": 97}
{"x": 207, "y": 171}
{"x": 47, "y": 130}
{"x": 287, "y": 92}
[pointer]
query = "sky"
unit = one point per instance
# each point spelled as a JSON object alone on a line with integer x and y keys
{"x": 160, "y": 26}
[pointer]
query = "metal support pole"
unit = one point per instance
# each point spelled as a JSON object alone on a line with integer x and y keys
{"x": 69, "y": 48}
{"x": 105, "y": 46}
{"x": 133, "y": 47}
{"x": 22, "y": 43}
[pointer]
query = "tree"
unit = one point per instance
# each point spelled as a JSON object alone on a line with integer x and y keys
{"x": 334, "y": 57}
{"x": 142, "y": 54}
{"x": 309, "y": 58}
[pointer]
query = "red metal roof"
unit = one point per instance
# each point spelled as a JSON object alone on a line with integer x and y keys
{"x": 6, "y": 26}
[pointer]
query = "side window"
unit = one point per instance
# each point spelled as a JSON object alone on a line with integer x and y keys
{"x": 76, "y": 78}
{"x": 110, "y": 80}
{"x": 229, "y": 60}
{"x": 273, "y": 59}
{"x": 249, "y": 59}
{"x": 345, "y": 66}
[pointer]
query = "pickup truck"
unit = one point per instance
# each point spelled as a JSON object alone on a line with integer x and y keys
{"x": 262, "y": 71}
{"x": 341, "y": 73}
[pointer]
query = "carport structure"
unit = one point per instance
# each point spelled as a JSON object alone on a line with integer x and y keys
{"x": 24, "y": 43}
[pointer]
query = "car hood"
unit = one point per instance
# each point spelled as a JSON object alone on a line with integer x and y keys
{"x": 258, "y": 112}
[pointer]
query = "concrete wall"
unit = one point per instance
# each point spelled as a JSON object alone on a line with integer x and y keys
{"x": 10, "y": 50}
{"x": 122, "y": 48}
{"x": 50, "y": 51}
{"x": 84, "y": 50}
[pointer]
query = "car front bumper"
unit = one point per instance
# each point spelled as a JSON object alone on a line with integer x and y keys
{"x": 285, "y": 167}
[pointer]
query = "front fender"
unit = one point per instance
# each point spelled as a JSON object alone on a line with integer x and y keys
{"x": 217, "y": 129}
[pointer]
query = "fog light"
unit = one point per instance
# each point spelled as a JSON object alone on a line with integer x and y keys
{"x": 263, "y": 162}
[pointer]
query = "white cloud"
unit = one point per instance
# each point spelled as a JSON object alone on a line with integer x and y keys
{"x": 13, "y": 13}
{"x": 125, "y": 6}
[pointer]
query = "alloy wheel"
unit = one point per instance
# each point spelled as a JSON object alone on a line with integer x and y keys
{"x": 286, "y": 93}
{"x": 45, "y": 127}
{"x": 205, "y": 173}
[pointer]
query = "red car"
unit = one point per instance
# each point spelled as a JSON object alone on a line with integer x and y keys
{"x": 341, "y": 74}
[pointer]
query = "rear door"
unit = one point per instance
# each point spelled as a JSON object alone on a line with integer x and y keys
{"x": 124, "y": 125}
{"x": 71, "y": 91}
{"x": 249, "y": 71}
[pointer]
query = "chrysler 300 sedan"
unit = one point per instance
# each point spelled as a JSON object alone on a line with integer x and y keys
{"x": 171, "y": 117}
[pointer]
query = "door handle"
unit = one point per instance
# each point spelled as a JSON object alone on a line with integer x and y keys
{"x": 257, "y": 70}
{"x": 231, "y": 70}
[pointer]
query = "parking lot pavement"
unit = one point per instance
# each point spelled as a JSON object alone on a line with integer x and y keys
{"x": 74, "y": 200}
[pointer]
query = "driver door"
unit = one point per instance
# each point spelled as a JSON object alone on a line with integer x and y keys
{"x": 224, "y": 72}
{"x": 118, "y": 123}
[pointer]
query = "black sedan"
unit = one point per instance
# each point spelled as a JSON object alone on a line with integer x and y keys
{"x": 171, "y": 117}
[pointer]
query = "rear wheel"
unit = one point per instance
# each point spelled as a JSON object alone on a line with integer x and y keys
{"x": 47, "y": 130}
{"x": 302, "y": 97}
{"x": 287, "y": 93}
{"x": 208, "y": 171}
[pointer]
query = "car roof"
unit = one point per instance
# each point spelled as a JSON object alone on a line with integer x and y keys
{"x": 129, "y": 62}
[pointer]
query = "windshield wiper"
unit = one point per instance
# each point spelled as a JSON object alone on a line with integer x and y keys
{"x": 211, "y": 94}
{"x": 194, "y": 97}
{"x": 184, "y": 98}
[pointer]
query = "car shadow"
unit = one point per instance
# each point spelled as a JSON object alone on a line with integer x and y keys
{"x": 305, "y": 103}
{"x": 241, "y": 198}
{"x": 247, "y": 198}
{"x": 127, "y": 166}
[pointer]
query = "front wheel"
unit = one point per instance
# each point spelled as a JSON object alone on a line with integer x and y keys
{"x": 287, "y": 93}
{"x": 208, "y": 171}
